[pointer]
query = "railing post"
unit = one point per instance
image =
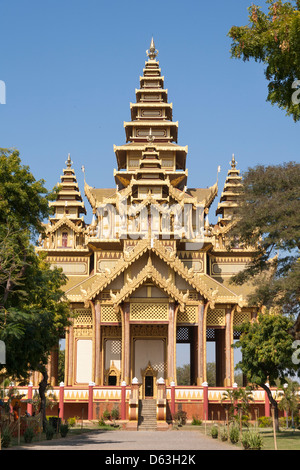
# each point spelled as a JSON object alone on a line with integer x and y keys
{"x": 61, "y": 399}
{"x": 205, "y": 400}
{"x": 90, "y": 408}
{"x": 235, "y": 386}
{"x": 29, "y": 396}
{"x": 173, "y": 399}
{"x": 123, "y": 401}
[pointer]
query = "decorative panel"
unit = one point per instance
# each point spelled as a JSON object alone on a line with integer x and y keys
{"x": 148, "y": 311}
{"x": 113, "y": 348}
{"x": 183, "y": 334}
{"x": 189, "y": 315}
{"x": 215, "y": 317}
{"x": 240, "y": 317}
{"x": 83, "y": 317}
{"x": 108, "y": 314}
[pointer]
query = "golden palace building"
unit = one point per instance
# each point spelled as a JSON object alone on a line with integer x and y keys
{"x": 147, "y": 273}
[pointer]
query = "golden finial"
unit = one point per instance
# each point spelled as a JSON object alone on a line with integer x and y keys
{"x": 233, "y": 161}
{"x": 69, "y": 162}
{"x": 152, "y": 52}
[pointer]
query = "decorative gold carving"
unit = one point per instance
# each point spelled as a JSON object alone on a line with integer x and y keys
{"x": 149, "y": 372}
{"x": 83, "y": 332}
{"x": 83, "y": 316}
{"x": 190, "y": 315}
{"x": 149, "y": 330}
{"x": 149, "y": 311}
{"x": 215, "y": 317}
{"x": 111, "y": 332}
{"x": 113, "y": 371}
{"x": 239, "y": 317}
{"x": 109, "y": 314}
{"x": 149, "y": 272}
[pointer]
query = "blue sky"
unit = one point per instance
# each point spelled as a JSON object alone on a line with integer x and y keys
{"x": 71, "y": 68}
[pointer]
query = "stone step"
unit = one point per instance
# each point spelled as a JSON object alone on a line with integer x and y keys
{"x": 147, "y": 415}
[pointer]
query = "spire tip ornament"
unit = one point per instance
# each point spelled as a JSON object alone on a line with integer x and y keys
{"x": 233, "y": 161}
{"x": 69, "y": 162}
{"x": 152, "y": 52}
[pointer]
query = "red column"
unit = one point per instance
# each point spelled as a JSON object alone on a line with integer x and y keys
{"x": 61, "y": 399}
{"x": 90, "y": 410}
{"x": 123, "y": 401}
{"x": 234, "y": 386}
{"x": 173, "y": 398}
{"x": 205, "y": 400}
{"x": 29, "y": 396}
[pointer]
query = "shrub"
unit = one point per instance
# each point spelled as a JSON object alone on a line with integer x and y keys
{"x": 106, "y": 414}
{"x": 115, "y": 414}
{"x": 234, "y": 434}
{"x": 196, "y": 421}
{"x": 49, "y": 432}
{"x": 6, "y": 437}
{"x": 252, "y": 440}
{"x": 264, "y": 421}
{"x": 72, "y": 422}
{"x": 64, "y": 429}
{"x": 214, "y": 432}
{"x": 28, "y": 435}
{"x": 224, "y": 435}
{"x": 180, "y": 417}
{"x": 55, "y": 422}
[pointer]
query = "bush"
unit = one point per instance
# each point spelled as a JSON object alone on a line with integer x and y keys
{"x": 252, "y": 440}
{"x": 196, "y": 422}
{"x": 55, "y": 422}
{"x": 64, "y": 429}
{"x": 49, "y": 432}
{"x": 180, "y": 417}
{"x": 283, "y": 420}
{"x": 224, "y": 435}
{"x": 6, "y": 437}
{"x": 101, "y": 422}
{"x": 28, "y": 435}
{"x": 214, "y": 432}
{"x": 72, "y": 422}
{"x": 265, "y": 422}
{"x": 115, "y": 414}
{"x": 234, "y": 434}
{"x": 106, "y": 414}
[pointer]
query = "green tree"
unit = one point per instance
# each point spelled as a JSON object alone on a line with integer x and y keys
{"x": 33, "y": 313}
{"x": 211, "y": 374}
{"x": 267, "y": 351}
{"x": 183, "y": 375}
{"x": 239, "y": 399}
{"x": 289, "y": 399}
{"x": 268, "y": 219}
{"x": 273, "y": 38}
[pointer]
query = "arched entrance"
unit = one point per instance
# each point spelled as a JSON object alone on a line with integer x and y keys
{"x": 149, "y": 376}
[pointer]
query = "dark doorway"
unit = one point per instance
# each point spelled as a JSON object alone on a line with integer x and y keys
{"x": 112, "y": 380}
{"x": 148, "y": 386}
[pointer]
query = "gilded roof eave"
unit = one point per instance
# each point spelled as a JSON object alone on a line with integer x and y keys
{"x": 208, "y": 287}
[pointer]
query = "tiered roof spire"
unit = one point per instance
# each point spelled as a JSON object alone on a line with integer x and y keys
{"x": 69, "y": 199}
{"x": 230, "y": 194}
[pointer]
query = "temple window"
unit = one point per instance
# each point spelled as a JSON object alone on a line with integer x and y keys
{"x": 64, "y": 239}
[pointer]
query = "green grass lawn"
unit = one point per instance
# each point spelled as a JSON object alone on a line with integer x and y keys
{"x": 286, "y": 439}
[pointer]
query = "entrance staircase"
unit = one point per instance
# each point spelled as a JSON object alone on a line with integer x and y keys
{"x": 147, "y": 415}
